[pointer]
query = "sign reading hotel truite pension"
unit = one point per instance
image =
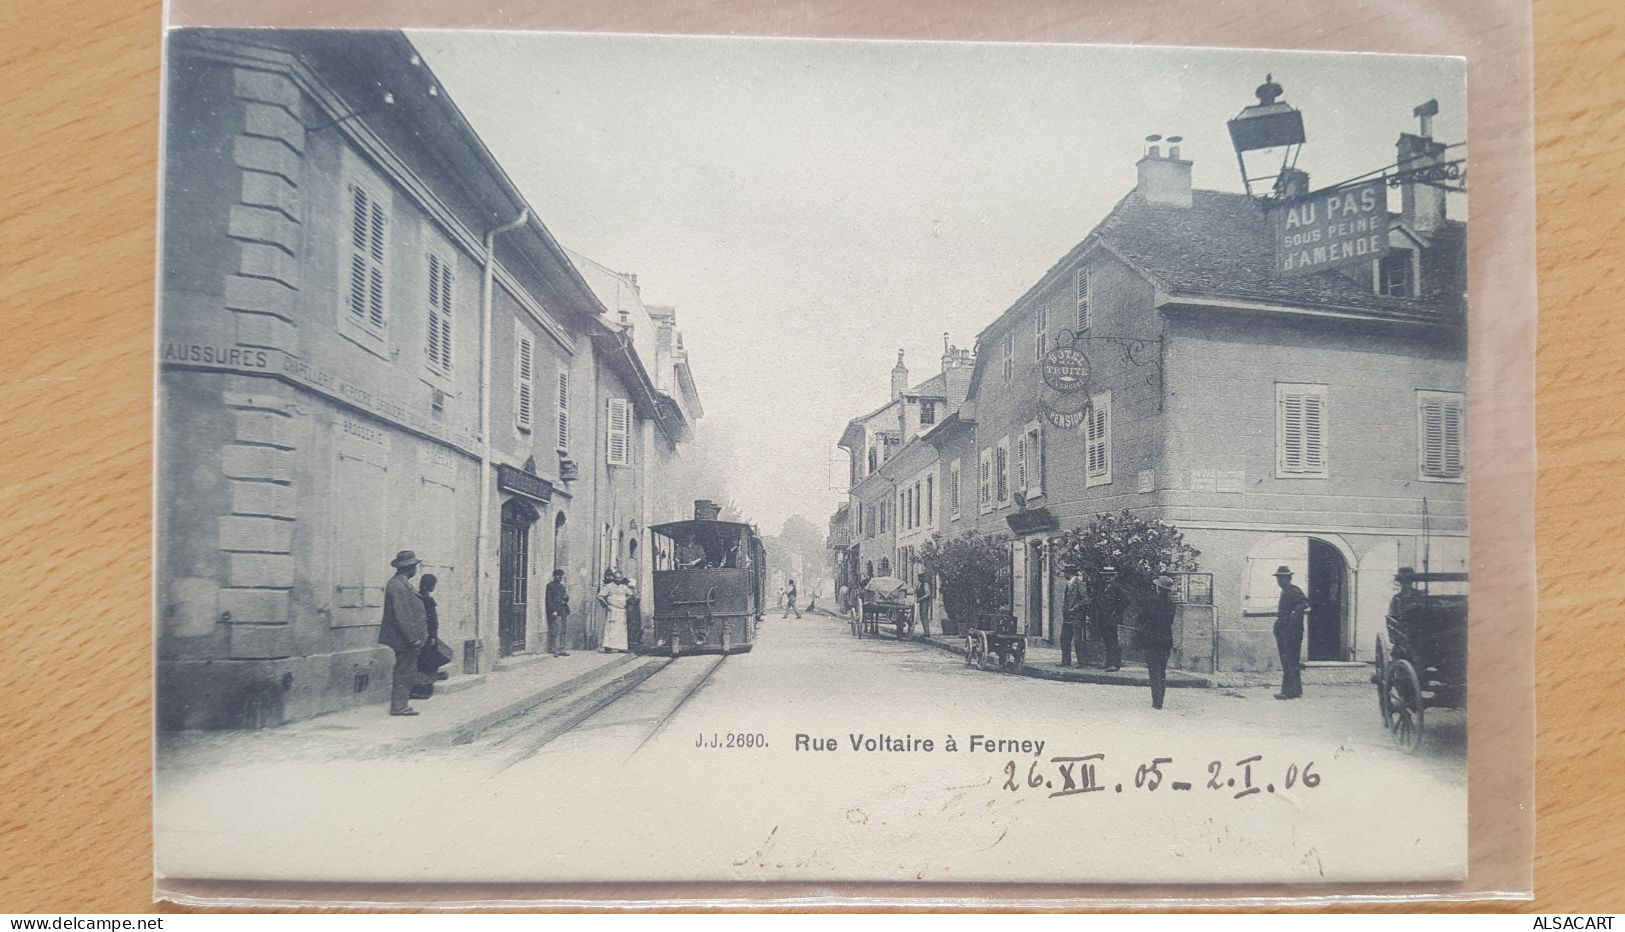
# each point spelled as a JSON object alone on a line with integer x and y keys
{"x": 1331, "y": 229}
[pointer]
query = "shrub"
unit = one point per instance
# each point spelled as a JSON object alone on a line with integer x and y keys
{"x": 972, "y": 573}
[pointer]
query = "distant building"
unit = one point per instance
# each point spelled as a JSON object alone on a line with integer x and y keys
{"x": 883, "y": 500}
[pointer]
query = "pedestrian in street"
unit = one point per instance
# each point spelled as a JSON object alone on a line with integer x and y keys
{"x": 1289, "y": 613}
{"x": 613, "y": 597}
{"x": 790, "y": 599}
{"x": 558, "y": 614}
{"x": 922, "y": 603}
{"x": 1155, "y": 636}
{"x": 433, "y": 656}
{"x": 1404, "y": 591}
{"x": 1074, "y": 612}
{"x": 1107, "y": 610}
{"x": 404, "y": 630}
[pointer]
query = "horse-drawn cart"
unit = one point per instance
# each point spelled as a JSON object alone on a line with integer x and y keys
{"x": 883, "y": 601}
{"x": 1425, "y": 665}
{"x": 994, "y": 643}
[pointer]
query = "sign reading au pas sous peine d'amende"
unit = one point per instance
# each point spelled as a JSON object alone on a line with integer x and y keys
{"x": 1330, "y": 229}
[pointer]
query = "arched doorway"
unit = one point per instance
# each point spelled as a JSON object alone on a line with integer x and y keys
{"x": 1320, "y": 567}
{"x": 514, "y": 582}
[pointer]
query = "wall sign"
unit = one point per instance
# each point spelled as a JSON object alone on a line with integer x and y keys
{"x": 1065, "y": 369}
{"x": 1330, "y": 229}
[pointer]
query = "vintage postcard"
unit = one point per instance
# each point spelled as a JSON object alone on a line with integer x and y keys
{"x": 609, "y": 458}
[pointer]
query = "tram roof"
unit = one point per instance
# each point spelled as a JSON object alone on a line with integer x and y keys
{"x": 694, "y": 524}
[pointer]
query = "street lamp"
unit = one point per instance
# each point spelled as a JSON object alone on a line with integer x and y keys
{"x": 1272, "y": 132}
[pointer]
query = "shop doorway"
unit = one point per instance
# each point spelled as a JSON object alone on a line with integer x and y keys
{"x": 1037, "y": 577}
{"x": 514, "y": 583}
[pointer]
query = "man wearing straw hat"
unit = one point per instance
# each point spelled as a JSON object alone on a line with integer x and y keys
{"x": 405, "y": 629}
{"x": 1289, "y": 614}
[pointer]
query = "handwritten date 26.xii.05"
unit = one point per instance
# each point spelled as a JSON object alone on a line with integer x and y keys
{"x": 1074, "y": 776}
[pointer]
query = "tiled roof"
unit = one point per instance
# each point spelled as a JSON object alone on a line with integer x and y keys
{"x": 1222, "y": 246}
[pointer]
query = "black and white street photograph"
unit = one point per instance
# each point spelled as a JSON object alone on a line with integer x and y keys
{"x": 617, "y": 458}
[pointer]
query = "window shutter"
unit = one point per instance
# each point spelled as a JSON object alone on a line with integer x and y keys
{"x": 564, "y": 411}
{"x": 1098, "y": 440}
{"x": 1443, "y": 448}
{"x": 1301, "y": 434}
{"x": 1009, "y": 354}
{"x": 1021, "y": 462}
{"x": 1080, "y": 285}
{"x": 1040, "y": 337}
{"x": 440, "y": 304}
{"x": 525, "y": 396}
{"x": 375, "y": 271}
{"x": 930, "y": 490}
{"x": 1001, "y": 472}
{"x": 618, "y": 451}
{"x": 984, "y": 484}
{"x": 1033, "y": 472}
{"x": 359, "y": 210}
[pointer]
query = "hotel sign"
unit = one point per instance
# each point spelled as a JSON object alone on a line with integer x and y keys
{"x": 1065, "y": 369}
{"x": 1331, "y": 229}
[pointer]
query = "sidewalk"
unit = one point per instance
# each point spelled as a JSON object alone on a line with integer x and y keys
{"x": 451, "y": 717}
{"x": 1044, "y": 662}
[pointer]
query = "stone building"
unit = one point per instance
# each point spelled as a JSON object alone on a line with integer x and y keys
{"x": 368, "y": 342}
{"x": 1313, "y": 420}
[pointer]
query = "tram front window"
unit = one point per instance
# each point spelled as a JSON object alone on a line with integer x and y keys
{"x": 702, "y": 548}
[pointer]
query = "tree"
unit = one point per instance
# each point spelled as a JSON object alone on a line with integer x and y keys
{"x": 972, "y": 573}
{"x": 1139, "y": 548}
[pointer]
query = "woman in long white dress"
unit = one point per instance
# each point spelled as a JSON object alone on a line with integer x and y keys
{"x": 613, "y": 597}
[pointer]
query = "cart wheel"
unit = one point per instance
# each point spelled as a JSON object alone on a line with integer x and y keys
{"x": 1403, "y": 696}
{"x": 1376, "y": 677}
{"x": 1018, "y": 656}
{"x": 986, "y": 656}
{"x": 970, "y": 651}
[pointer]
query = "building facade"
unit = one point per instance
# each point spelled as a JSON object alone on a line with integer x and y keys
{"x": 1316, "y": 421}
{"x": 368, "y": 343}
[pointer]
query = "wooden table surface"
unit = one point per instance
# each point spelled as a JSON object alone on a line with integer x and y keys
{"x": 76, "y": 262}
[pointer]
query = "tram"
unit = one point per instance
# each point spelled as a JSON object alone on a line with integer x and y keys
{"x": 710, "y": 585}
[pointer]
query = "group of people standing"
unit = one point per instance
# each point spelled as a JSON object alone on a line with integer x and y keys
{"x": 1103, "y": 606}
{"x": 411, "y": 626}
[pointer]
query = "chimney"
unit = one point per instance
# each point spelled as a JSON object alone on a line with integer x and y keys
{"x": 1292, "y": 182}
{"x": 1422, "y": 205}
{"x": 1164, "y": 180}
{"x": 899, "y": 378}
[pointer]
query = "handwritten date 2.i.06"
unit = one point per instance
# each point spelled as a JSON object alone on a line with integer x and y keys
{"x": 1074, "y": 776}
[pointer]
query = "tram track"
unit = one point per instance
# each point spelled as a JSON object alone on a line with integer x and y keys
{"x": 556, "y": 722}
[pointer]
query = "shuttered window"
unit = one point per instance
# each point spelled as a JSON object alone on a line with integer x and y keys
{"x": 440, "y": 307}
{"x": 369, "y": 222}
{"x": 953, "y": 489}
{"x": 1442, "y": 434}
{"x": 1001, "y": 472}
{"x": 1009, "y": 345}
{"x": 930, "y": 493}
{"x": 563, "y": 408}
{"x": 1040, "y": 333}
{"x": 524, "y": 356}
{"x": 1097, "y": 440}
{"x": 1300, "y": 430}
{"x": 618, "y": 445}
{"x": 984, "y": 481}
{"x": 1021, "y": 462}
{"x": 1080, "y": 289}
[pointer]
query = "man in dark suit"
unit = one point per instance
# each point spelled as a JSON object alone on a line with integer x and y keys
{"x": 405, "y": 629}
{"x": 1074, "y": 609}
{"x": 1155, "y": 635}
{"x": 1107, "y": 610}
{"x": 1289, "y": 614}
{"x": 558, "y": 611}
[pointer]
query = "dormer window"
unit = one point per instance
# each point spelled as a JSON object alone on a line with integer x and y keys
{"x": 1396, "y": 274}
{"x": 928, "y": 412}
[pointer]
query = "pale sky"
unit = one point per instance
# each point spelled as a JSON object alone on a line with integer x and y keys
{"x": 812, "y": 206}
